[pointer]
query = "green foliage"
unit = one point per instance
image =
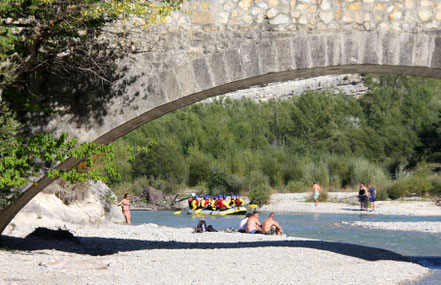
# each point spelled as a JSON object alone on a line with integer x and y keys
{"x": 436, "y": 185}
{"x": 165, "y": 161}
{"x": 382, "y": 195}
{"x": 296, "y": 187}
{"x": 22, "y": 163}
{"x": 337, "y": 140}
{"x": 416, "y": 184}
{"x": 37, "y": 31}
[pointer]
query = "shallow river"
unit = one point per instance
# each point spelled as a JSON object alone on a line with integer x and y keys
{"x": 422, "y": 247}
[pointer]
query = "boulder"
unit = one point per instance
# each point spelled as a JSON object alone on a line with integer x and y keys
{"x": 153, "y": 196}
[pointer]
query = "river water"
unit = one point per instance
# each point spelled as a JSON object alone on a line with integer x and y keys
{"x": 424, "y": 248}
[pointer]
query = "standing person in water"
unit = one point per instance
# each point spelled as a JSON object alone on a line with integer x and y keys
{"x": 125, "y": 202}
{"x": 372, "y": 196}
{"x": 316, "y": 191}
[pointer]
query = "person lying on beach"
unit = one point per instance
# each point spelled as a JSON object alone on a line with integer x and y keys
{"x": 243, "y": 223}
{"x": 253, "y": 225}
{"x": 269, "y": 225}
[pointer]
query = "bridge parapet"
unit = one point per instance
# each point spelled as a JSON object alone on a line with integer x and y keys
{"x": 310, "y": 15}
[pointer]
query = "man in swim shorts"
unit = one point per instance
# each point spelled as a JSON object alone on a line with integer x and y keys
{"x": 253, "y": 225}
{"x": 269, "y": 223}
{"x": 316, "y": 190}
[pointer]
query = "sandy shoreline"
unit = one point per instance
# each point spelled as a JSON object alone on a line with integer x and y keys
{"x": 150, "y": 254}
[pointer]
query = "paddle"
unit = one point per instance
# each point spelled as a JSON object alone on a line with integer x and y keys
{"x": 177, "y": 212}
{"x": 253, "y": 205}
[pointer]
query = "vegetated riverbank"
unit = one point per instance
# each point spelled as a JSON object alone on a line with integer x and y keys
{"x": 347, "y": 203}
{"x": 150, "y": 254}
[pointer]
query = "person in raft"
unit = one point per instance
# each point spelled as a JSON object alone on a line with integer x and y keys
{"x": 316, "y": 190}
{"x": 125, "y": 203}
{"x": 223, "y": 203}
{"x": 253, "y": 225}
{"x": 206, "y": 203}
{"x": 372, "y": 196}
{"x": 271, "y": 227}
{"x": 239, "y": 202}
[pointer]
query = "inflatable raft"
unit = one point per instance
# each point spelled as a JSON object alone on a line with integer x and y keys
{"x": 232, "y": 211}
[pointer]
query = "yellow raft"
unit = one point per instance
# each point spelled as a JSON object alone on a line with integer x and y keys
{"x": 233, "y": 211}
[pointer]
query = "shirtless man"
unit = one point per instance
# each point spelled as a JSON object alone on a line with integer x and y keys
{"x": 269, "y": 223}
{"x": 253, "y": 225}
{"x": 316, "y": 190}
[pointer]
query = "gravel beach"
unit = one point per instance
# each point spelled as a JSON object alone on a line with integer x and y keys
{"x": 149, "y": 254}
{"x": 109, "y": 253}
{"x": 347, "y": 203}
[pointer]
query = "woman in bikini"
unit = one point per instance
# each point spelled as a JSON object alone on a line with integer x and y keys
{"x": 125, "y": 202}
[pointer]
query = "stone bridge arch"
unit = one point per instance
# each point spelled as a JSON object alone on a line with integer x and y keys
{"x": 222, "y": 46}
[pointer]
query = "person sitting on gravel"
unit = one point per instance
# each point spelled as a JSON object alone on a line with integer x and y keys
{"x": 271, "y": 227}
{"x": 253, "y": 225}
{"x": 243, "y": 223}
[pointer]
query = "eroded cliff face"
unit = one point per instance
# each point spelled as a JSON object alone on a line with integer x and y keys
{"x": 349, "y": 84}
{"x": 88, "y": 204}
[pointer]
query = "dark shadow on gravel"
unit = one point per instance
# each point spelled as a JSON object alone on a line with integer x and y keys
{"x": 107, "y": 246}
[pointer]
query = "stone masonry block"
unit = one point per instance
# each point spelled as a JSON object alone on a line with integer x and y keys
{"x": 333, "y": 49}
{"x": 185, "y": 75}
{"x": 391, "y": 48}
{"x": 302, "y": 52}
{"x": 202, "y": 73}
{"x": 155, "y": 93}
{"x": 422, "y": 50}
{"x": 266, "y": 56}
{"x": 350, "y": 48}
{"x": 318, "y": 51}
{"x": 371, "y": 48}
{"x": 234, "y": 65}
{"x": 436, "y": 55}
{"x": 170, "y": 84}
{"x": 217, "y": 64}
{"x": 407, "y": 42}
{"x": 284, "y": 55}
{"x": 250, "y": 62}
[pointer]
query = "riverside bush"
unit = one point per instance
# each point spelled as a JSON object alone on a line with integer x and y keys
{"x": 296, "y": 187}
{"x": 436, "y": 185}
{"x": 259, "y": 194}
{"x": 397, "y": 189}
{"x": 381, "y": 195}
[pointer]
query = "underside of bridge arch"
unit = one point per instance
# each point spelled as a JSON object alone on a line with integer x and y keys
{"x": 149, "y": 94}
